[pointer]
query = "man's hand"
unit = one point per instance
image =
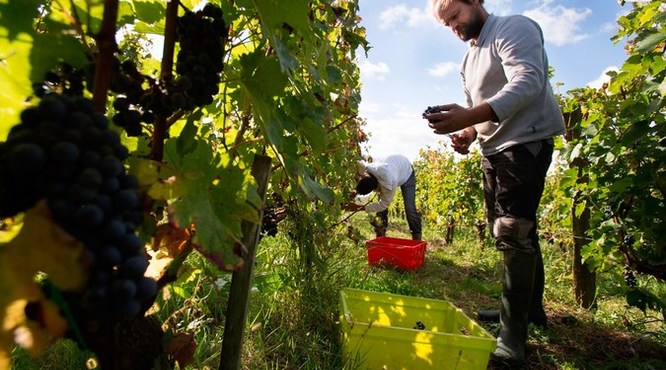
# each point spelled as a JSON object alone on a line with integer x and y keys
{"x": 352, "y": 207}
{"x": 451, "y": 118}
{"x": 460, "y": 141}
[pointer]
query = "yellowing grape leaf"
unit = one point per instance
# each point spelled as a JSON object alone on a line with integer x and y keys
{"x": 29, "y": 319}
{"x": 168, "y": 244}
{"x": 182, "y": 347}
{"x": 171, "y": 238}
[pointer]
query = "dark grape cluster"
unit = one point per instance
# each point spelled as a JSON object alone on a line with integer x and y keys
{"x": 63, "y": 79}
{"x": 199, "y": 62}
{"x": 126, "y": 79}
{"x": 431, "y": 110}
{"x": 274, "y": 212}
{"x": 63, "y": 151}
{"x": 131, "y": 102}
{"x": 272, "y": 216}
{"x": 137, "y": 104}
{"x": 629, "y": 277}
{"x": 628, "y": 241}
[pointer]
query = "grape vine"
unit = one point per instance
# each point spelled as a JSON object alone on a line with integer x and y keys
{"x": 169, "y": 171}
{"x": 617, "y": 147}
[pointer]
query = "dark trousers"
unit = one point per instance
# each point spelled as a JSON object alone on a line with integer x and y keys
{"x": 408, "y": 190}
{"x": 513, "y": 184}
{"x": 513, "y": 181}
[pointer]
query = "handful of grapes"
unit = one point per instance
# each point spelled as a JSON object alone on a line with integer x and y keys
{"x": 432, "y": 110}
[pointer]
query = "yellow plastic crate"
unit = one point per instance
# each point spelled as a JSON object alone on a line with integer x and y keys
{"x": 389, "y": 331}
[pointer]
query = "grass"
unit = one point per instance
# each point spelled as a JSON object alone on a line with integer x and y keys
{"x": 293, "y": 319}
{"x": 63, "y": 355}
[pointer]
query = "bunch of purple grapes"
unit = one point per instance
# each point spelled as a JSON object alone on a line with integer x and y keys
{"x": 128, "y": 83}
{"x": 431, "y": 110}
{"x": 200, "y": 61}
{"x": 629, "y": 277}
{"x": 63, "y": 151}
{"x": 63, "y": 79}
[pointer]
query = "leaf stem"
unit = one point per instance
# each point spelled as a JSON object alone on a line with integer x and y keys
{"x": 159, "y": 133}
{"x": 106, "y": 43}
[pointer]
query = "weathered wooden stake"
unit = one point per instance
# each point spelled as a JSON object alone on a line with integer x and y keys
{"x": 241, "y": 281}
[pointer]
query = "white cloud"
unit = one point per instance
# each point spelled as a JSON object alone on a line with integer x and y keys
{"x": 400, "y": 15}
{"x": 443, "y": 69}
{"x": 609, "y": 27}
{"x": 371, "y": 71}
{"x": 561, "y": 25}
{"x": 369, "y": 107}
{"x": 499, "y": 7}
{"x": 397, "y": 129}
{"x": 604, "y": 77}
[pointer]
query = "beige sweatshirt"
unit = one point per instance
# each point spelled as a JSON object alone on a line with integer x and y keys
{"x": 508, "y": 69}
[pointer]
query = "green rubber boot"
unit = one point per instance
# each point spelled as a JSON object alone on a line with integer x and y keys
{"x": 516, "y": 296}
{"x": 536, "y": 315}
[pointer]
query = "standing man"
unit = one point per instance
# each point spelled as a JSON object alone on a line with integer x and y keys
{"x": 513, "y": 113}
{"x": 386, "y": 176}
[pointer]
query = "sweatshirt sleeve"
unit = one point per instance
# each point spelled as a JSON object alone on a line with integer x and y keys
{"x": 361, "y": 167}
{"x": 385, "y": 198}
{"x": 519, "y": 44}
{"x": 468, "y": 95}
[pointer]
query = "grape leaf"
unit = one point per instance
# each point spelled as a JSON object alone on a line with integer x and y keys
{"x": 210, "y": 193}
{"x": 314, "y": 132}
{"x": 650, "y": 42}
{"x": 274, "y": 15}
{"x": 182, "y": 347}
{"x": 41, "y": 246}
{"x": 262, "y": 80}
{"x": 170, "y": 239}
{"x": 312, "y": 187}
{"x": 169, "y": 244}
{"x": 27, "y": 55}
{"x": 15, "y": 44}
{"x": 286, "y": 58}
{"x": 150, "y": 11}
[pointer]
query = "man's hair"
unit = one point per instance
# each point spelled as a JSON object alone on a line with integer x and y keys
{"x": 436, "y": 5}
{"x": 366, "y": 184}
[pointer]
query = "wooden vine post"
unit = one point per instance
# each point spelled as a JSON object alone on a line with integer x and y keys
{"x": 241, "y": 281}
{"x": 584, "y": 278}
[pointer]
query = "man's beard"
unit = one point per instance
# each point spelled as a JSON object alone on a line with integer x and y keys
{"x": 471, "y": 30}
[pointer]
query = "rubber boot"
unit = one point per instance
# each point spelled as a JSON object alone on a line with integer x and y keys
{"x": 536, "y": 315}
{"x": 516, "y": 297}
{"x": 416, "y": 236}
{"x": 489, "y": 315}
{"x": 379, "y": 223}
{"x": 537, "y": 319}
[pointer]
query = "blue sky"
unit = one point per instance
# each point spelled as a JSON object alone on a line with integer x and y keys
{"x": 414, "y": 61}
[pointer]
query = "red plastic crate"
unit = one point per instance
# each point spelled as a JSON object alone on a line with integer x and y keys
{"x": 405, "y": 254}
